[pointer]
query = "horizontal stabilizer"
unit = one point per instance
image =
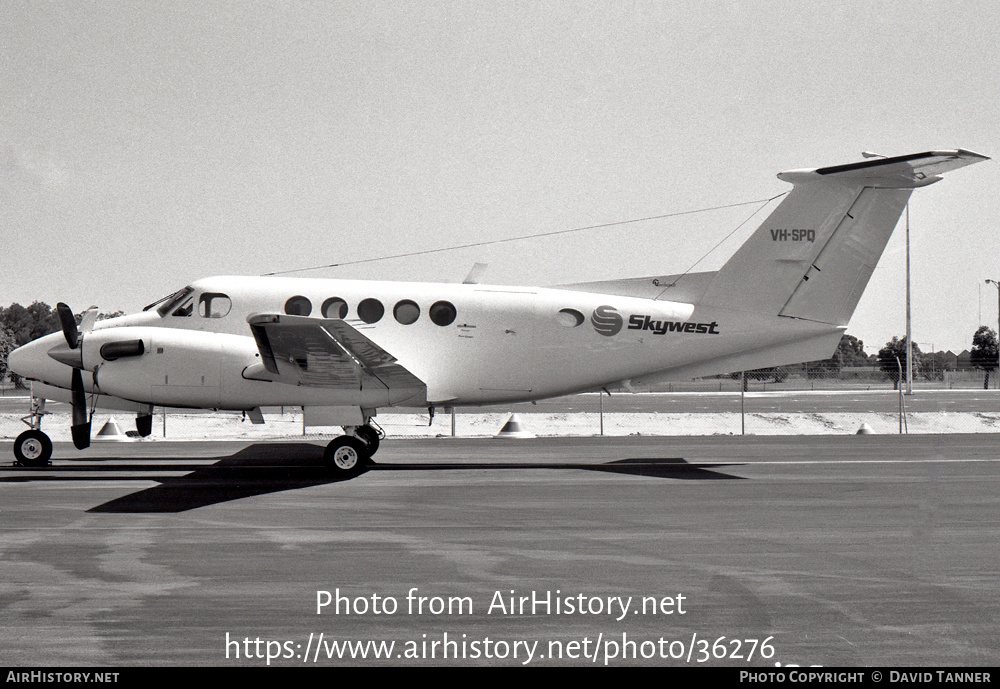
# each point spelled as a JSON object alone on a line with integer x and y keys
{"x": 909, "y": 171}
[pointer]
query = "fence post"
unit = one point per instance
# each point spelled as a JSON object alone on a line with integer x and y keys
{"x": 743, "y": 389}
{"x": 902, "y": 405}
{"x": 600, "y": 393}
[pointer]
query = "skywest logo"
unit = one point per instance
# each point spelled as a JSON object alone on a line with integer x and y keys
{"x": 608, "y": 322}
{"x": 638, "y": 322}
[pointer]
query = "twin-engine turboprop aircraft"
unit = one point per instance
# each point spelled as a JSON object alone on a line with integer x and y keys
{"x": 342, "y": 349}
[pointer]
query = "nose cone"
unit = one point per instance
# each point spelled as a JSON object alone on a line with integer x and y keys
{"x": 32, "y": 361}
{"x": 19, "y": 361}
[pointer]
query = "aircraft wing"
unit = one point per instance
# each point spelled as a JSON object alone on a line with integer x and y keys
{"x": 326, "y": 352}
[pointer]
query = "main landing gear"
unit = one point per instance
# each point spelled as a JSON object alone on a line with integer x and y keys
{"x": 349, "y": 455}
{"x": 33, "y": 448}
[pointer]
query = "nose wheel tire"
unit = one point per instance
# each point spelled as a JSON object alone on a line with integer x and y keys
{"x": 346, "y": 456}
{"x": 33, "y": 449}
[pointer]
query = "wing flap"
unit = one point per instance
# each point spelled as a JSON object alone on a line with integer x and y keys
{"x": 326, "y": 352}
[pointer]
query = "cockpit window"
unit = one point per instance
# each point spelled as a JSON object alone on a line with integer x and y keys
{"x": 170, "y": 301}
{"x": 214, "y": 305}
{"x": 186, "y": 306}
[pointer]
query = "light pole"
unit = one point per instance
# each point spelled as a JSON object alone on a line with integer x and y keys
{"x": 997, "y": 284}
{"x": 909, "y": 334}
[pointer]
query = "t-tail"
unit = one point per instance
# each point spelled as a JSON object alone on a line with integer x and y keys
{"x": 813, "y": 256}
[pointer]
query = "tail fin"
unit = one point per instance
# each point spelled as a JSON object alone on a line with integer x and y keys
{"x": 814, "y": 254}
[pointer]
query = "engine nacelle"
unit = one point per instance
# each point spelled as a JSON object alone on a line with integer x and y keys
{"x": 165, "y": 366}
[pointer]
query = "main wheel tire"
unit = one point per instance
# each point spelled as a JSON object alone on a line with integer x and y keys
{"x": 346, "y": 456}
{"x": 369, "y": 436}
{"x": 33, "y": 449}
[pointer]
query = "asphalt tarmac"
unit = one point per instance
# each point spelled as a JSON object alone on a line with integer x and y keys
{"x": 749, "y": 552}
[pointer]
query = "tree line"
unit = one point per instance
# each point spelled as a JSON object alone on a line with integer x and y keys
{"x": 890, "y": 360}
{"x": 983, "y": 356}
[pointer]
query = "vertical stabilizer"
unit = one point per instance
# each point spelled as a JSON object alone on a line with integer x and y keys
{"x": 813, "y": 256}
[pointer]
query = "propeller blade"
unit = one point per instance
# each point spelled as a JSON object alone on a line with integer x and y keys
{"x": 88, "y": 320}
{"x": 144, "y": 424}
{"x": 68, "y": 322}
{"x": 81, "y": 424}
{"x": 144, "y": 421}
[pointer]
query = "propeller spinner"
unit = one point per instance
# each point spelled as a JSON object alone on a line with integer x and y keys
{"x": 71, "y": 353}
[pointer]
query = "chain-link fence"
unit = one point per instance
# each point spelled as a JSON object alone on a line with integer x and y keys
{"x": 757, "y": 405}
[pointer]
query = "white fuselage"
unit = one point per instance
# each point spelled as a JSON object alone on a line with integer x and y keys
{"x": 503, "y": 344}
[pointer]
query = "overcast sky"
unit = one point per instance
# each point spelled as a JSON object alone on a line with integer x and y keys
{"x": 144, "y": 145}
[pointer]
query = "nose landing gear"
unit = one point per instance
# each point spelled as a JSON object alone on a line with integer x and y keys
{"x": 33, "y": 448}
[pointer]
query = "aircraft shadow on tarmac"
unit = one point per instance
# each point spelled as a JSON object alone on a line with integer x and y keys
{"x": 269, "y": 468}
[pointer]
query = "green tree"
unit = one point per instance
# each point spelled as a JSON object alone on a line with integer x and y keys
{"x": 113, "y": 314}
{"x": 27, "y": 324}
{"x": 7, "y": 345}
{"x": 984, "y": 352}
{"x": 850, "y": 352}
{"x": 24, "y": 325}
{"x": 893, "y": 356}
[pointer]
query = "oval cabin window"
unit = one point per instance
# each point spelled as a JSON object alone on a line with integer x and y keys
{"x": 371, "y": 310}
{"x": 406, "y": 312}
{"x": 443, "y": 313}
{"x": 334, "y": 307}
{"x": 569, "y": 318}
{"x": 298, "y": 306}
